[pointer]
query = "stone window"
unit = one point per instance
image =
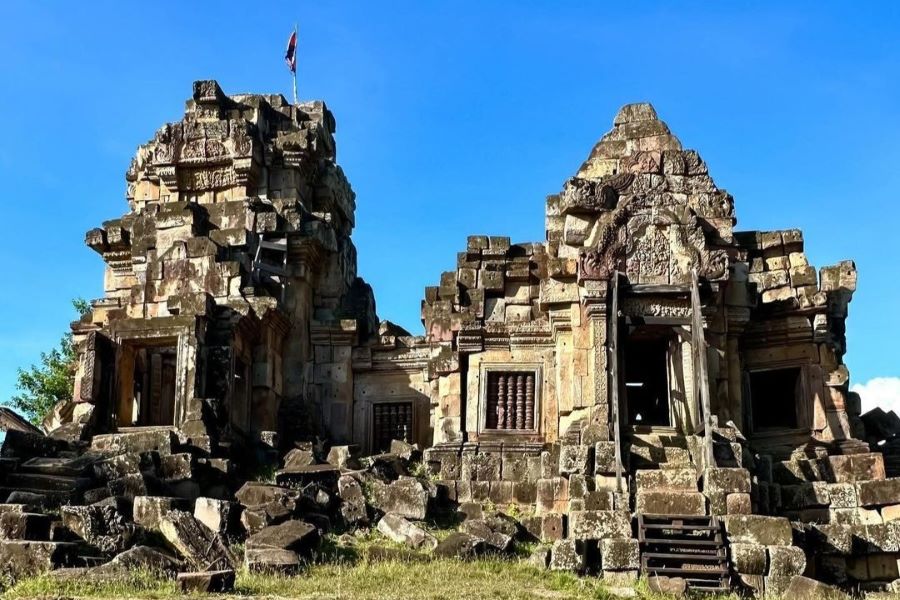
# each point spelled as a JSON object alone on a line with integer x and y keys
{"x": 774, "y": 395}
{"x": 510, "y": 400}
{"x": 391, "y": 421}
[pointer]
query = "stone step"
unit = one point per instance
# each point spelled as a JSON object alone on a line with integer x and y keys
{"x": 677, "y": 479}
{"x": 659, "y": 439}
{"x": 142, "y": 439}
{"x": 653, "y": 457}
{"x": 48, "y": 499}
{"x": 49, "y": 483}
{"x": 670, "y": 502}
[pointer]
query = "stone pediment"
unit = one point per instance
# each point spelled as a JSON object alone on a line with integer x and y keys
{"x": 642, "y": 205}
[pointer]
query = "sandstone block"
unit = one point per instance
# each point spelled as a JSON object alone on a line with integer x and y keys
{"x": 804, "y": 588}
{"x": 738, "y": 504}
{"x": 460, "y": 545}
{"x": 547, "y": 527}
{"x": 758, "y": 529}
{"x": 731, "y": 480}
{"x": 670, "y": 503}
{"x": 405, "y": 497}
{"x": 297, "y": 536}
{"x": 749, "y": 559}
{"x": 878, "y": 493}
{"x": 202, "y": 548}
{"x": 599, "y": 524}
{"x": 786, "y": 561}
{"x": 219, "y": 516}
{"x": 619, "y": 554}
{"x": 574, "y": 458}
{"x": 566, "y": 555}
{"x": 400, "y": 530}
{"x": 206, "y": 582}
{"x": 666, "y": 479}
{"x": 148, "y": 511}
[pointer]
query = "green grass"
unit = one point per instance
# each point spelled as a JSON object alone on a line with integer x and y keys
{"x": 364, "y": 580}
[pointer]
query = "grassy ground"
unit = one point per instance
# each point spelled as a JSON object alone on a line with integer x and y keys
{"x": 364, "y": 580}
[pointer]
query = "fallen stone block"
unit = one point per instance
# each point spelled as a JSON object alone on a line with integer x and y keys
{"x": 804, "y": 588}
{"x": 148, "y": 511}
{"x": 567, "y": 555}
{"x": 540, "y": 557}
{"x": 202, "y": 548}
{"x": 218, "y": 516}
{"x": 101, "y": 526}
{"x": 298, "y": 458}
{"x": 24, "y": 525}
{"x": 460, "y": 545}
{"x": 622, "y": 554}
{"x": 758, "y": 529}
{"x": 254, "y": 493}
{"x": 670, "y": 586}
{"x": 145, "y": 558}
{"x": 271, "y": 560}
{"x": 497, "y": 540}
{"x": 546, "y": 528}
{"x": 150, "y": 440}
{"x": 353, "y": 502}
{"x": 405, "y": 497}
{"x": 20, "y": 559}
{"x": 749, "y": 559}
{"x": 176, "y": 467}
{"x": 325, "y": 476}
{"x": 400, "y": 530}
{"x": 206, "y": 582}
{"x": 785, "y": 561}
{"x": 599, "y": 524}
{"x": 297, "y": 536}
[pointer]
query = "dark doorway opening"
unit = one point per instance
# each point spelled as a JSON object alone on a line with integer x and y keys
{"x": 153, "y": 387}
{"x": 773, "y": 395}
{"x": 646, "y": 378}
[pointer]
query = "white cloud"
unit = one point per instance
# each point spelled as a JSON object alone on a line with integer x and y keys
{"x": 879, "y": 391}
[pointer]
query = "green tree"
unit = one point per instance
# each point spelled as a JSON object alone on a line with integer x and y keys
{"x": 43, "y": 386}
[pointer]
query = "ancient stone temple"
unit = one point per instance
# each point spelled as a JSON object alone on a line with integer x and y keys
{"x": 645, "y": 369}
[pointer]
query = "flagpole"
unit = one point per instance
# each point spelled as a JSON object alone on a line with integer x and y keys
{"x": 294, "y": 72}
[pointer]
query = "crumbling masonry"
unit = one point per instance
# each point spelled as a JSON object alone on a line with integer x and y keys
{"x": 644, "y": 379}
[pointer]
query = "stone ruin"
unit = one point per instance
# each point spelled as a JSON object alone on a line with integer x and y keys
{"x": 656, "y": 393}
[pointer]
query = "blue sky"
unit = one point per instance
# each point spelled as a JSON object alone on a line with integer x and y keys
{"x": 458, "y": 118}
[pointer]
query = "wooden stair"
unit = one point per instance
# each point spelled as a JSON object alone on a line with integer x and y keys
{"x": 687, "y": 546}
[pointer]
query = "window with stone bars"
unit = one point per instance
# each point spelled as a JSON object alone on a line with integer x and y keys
{"x": 391, "y": 421}
{"x": 510, "y": 400}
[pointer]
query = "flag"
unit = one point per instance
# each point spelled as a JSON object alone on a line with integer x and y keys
{"x": 290, "y": 55}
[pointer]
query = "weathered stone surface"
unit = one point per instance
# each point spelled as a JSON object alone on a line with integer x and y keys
{"x": 298, "y": 458}
{"x": 540, "y": 557}
{"x": 460, "y": 545}
{"x": 271, "y": 559}
{"x": 145, "y": 558}
{"x": 150, "y": 440}
{"x": 400, "y": 530}
{"x": 749, "y": 559}
{"x": 149, "y": 510}
{"x": 878, "y": 493}
{"x": 492, "y": 531}
{"x": 670, "y": 586}
{"x": 100, "y": 526}
{"x": 206, "y": 582}
{"x": 786, "y": 561}
{"x": 546, "y": 528}
{"x": 20, "y": 525}
{"x": 296, "y": 536}
{"x": 405, "y": 497}
{"x": 599, "y": 524}
{"x": 353, "y": 502}
{"x": 202, "y": 548}
{"x": 566, "y": 555}
{"x": 670, "y": 503}
{"x": 619, "y": 554}
{"x": 20, "y": 559}
{"x": 804, "y": 588}
{"x": 219, "y": 516}
{"x": 758, "y": 529}
{"x": 666, "y": 479}
{"x": 731, "y": 480}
